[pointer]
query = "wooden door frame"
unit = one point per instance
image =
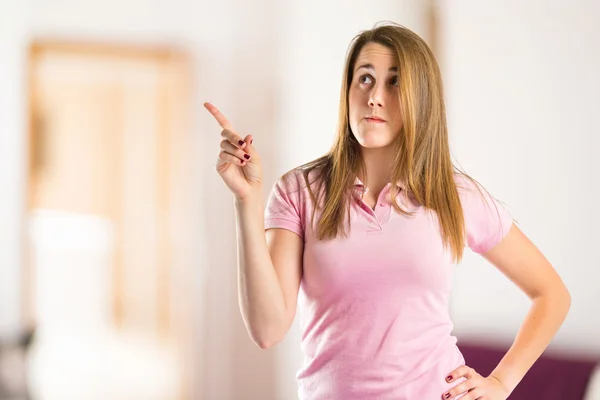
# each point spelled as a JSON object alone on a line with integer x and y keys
{"x": 166, "y": 136}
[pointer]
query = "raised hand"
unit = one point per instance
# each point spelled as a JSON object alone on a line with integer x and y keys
{"x": 238, "y": 163}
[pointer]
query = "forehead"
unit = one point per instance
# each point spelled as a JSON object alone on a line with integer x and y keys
{"x": 379, "y": 56}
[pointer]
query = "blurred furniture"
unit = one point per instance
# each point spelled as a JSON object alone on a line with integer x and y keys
{"x": 13, "y": 366}
{"x": 550, "y": 378}
{"x": 78, "y": 353}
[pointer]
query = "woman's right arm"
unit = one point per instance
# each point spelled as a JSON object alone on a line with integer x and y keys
{"x": 269, "y": 273}
{"x": 269, "y": 263}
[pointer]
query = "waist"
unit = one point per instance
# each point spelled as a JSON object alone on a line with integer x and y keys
{"x": 347, "y": 373}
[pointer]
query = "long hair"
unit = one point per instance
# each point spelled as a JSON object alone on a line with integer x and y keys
{"x": 422, "y": 160}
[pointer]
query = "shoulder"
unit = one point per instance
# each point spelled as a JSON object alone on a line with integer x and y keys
{"x": 300, "y": 179}
{"x": 470, "y": 191}
{"x": 465, "y": 184}
{"x": 487, "y": 219}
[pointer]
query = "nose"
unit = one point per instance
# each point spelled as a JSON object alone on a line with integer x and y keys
{"x": 377, "y": 95}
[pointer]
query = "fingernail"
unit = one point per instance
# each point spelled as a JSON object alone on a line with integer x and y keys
{"x": 449, "y": 378}
{"x": 246, "y": 156}
{"x": 251, "y": 140}
{"x": 447, "y": 396}
{"x": 241, "y": 142}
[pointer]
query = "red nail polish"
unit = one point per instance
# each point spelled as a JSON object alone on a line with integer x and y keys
{"x": 246, "y": 156}
{"x": 241, "y": 142}
{"x": 449, "y": 378}
{"x": 251, "y": 140}
{"x": 447, "y": 396}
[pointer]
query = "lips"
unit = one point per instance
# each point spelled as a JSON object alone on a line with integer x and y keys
{"x": 374, "y": 119}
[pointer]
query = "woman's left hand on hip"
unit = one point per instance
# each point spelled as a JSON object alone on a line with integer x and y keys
{"x": 475, "y": 387}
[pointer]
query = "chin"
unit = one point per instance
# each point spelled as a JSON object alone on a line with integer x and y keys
{"x": 372, "y": 145}
{"x": 370, "y": 142}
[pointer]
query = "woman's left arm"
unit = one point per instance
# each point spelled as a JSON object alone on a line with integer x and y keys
{"x": 521, "y": 261}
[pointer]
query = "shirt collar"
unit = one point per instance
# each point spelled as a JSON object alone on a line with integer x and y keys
{"x": 358, "y": 184}
{"x": 406, "y": 198}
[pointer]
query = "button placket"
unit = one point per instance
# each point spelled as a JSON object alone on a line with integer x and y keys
{"x": 383, "y": 211}
{"x": 371, "y": 215}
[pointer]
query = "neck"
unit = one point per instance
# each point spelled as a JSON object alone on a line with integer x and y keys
{"x": 378, "y": 167}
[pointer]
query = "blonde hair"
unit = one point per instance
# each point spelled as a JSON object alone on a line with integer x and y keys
{"x": 422, "y": 161}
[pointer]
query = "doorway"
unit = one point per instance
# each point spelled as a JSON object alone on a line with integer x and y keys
{"x": 105, "y": 274}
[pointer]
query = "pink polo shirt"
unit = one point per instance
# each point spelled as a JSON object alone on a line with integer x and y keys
{"x": 373, "y": 307}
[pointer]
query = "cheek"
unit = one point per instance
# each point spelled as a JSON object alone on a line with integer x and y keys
{"x": 353, "y": 106}
{"x": 353, "y": 97}
{"x": 395, "y": 105}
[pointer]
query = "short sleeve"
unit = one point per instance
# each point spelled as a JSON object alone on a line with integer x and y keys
{"x": 487, "y": 221}
{"x": 284, "y": 206}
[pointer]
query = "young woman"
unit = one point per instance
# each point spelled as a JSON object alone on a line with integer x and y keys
{"x": 363, "y": 241}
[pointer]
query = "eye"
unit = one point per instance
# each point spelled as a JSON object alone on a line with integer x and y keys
{"x": 365, "y": 79}
{"x": 394, "y": 81}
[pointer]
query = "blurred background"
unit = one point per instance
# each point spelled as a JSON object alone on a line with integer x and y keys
{"x": 117, "y": 237}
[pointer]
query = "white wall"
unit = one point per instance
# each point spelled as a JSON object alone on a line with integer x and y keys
{"x": 522, "y": 90}
{"x": 12, "y": 123}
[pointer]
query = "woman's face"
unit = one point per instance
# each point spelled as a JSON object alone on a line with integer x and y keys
{"x": 374, "y": 111}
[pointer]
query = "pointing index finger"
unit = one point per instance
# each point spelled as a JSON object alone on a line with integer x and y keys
{"x": 224, "y": 122}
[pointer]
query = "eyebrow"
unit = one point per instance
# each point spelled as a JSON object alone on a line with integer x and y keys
{"x": 370, "y": 66}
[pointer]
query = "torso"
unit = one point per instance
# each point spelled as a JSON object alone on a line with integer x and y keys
{"x": 374, "y": 305}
